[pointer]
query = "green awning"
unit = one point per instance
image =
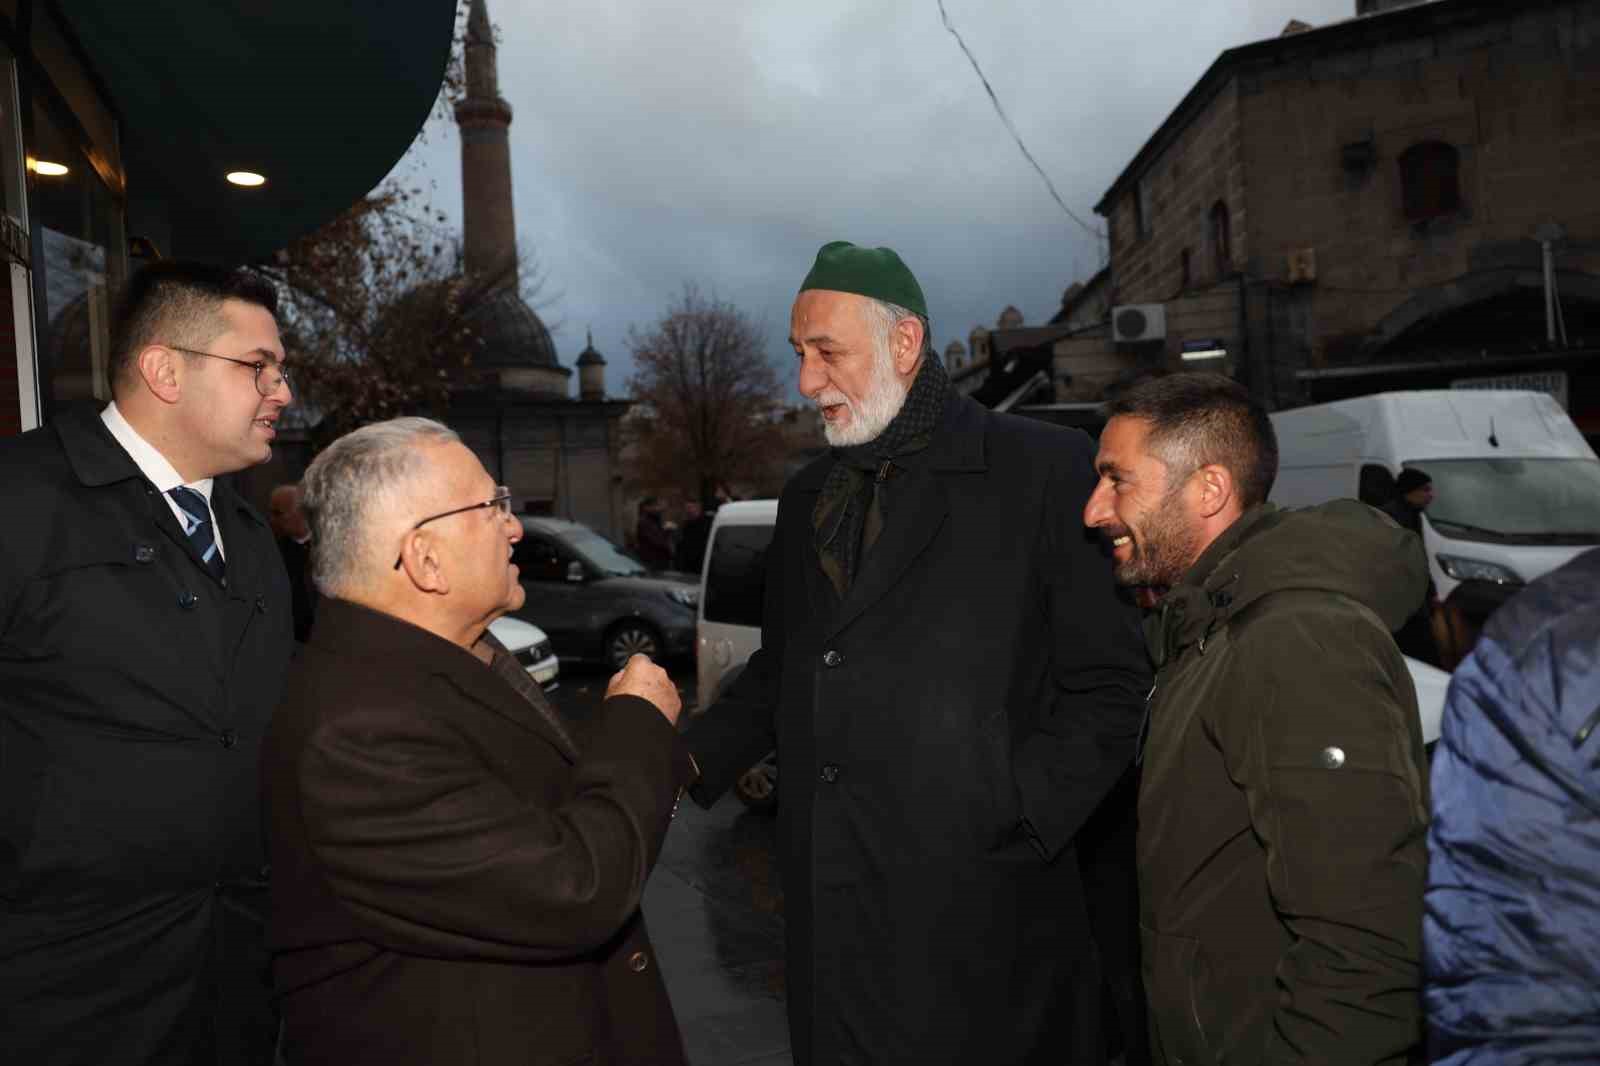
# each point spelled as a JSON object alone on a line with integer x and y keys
{"x": 322, "y": 97}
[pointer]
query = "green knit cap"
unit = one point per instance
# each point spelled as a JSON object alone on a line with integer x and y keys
{"x": 874, "y": 272}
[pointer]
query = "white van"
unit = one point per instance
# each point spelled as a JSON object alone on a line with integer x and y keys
{"x": 732, "y": 585}
{"x": 1516, "y": 486}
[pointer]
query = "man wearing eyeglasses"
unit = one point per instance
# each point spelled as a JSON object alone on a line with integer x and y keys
{"x": 144, "y": 628}
{"x": 453, "y": 879}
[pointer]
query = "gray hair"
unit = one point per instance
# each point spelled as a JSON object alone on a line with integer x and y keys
{"x": 350, "y": 482}
{"x": 882, "y": 317}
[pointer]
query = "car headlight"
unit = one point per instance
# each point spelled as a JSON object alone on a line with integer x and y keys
{"x": 1461, "y": 568}
{"x": 689, "y": 598}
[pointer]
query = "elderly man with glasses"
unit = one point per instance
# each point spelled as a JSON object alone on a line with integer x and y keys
{"x": 144, "y": 630}
{"x": 454, "y": 879}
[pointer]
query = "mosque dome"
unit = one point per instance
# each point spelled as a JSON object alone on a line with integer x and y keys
{"x": 511, "y": 335}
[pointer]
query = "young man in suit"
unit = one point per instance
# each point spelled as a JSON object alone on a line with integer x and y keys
{"x": 144, "y": 628}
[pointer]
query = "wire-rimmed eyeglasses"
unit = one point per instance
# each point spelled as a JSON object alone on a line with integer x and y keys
{"x": 500, "y": 500}
{"x": 269, "y": 372}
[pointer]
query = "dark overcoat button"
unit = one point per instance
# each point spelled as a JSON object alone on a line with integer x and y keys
{"x": 188, "y": 600}
{"x": 229, "y": 739}
{"x": 143, "y": 553}
{"x": 832, "y": 658}
{"x": 829, "y": 773}
{"x": 638, "y": 962}
{"x": 261, "y": 604}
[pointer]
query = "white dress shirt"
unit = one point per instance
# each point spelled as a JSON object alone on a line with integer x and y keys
{"x": 153, "y": 465}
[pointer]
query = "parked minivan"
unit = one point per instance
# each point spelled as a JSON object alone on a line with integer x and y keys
{"x": 1516, "y": 486}
{"x": 597, "y": 602}
{"x": 733, "y": 583}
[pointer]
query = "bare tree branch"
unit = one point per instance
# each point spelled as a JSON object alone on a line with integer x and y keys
{"x": 705, "y": 400}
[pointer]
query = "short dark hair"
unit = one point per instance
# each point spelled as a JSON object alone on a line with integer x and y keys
{"x": 176, "y": 302}
{"x": 1199, "y": 418}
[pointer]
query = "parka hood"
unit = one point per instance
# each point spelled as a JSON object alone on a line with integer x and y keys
{"x": 1342, "y": 547}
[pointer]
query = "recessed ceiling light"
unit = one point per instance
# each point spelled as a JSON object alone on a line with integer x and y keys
{"x": 247, "y": 178}
{"x": 47, "y": 169}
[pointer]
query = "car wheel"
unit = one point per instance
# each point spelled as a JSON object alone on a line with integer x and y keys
{"x": 628, "y": 639}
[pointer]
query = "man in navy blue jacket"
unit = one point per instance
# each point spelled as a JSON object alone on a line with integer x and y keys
{"x": 1512, "y": 923}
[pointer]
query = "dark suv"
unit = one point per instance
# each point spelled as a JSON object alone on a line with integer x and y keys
{"x": 597, "y": 602}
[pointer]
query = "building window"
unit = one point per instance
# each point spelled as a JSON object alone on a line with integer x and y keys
{"x": 1221, "y": 239}
{"x": 1430, "y": 181}
{"x": 1184, "y": 270}
{"x": 81, "y": 227}
{"x": 1141, "y": 210}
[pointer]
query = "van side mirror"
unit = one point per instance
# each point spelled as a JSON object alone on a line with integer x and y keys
{"x": 575, "y": 572}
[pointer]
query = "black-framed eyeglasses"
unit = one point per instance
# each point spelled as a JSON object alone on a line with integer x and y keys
{"x": 269, "y": 373}
{"x": 501, "y": 500}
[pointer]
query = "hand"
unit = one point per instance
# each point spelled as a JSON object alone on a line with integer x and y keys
{"x": 643, "y": 678}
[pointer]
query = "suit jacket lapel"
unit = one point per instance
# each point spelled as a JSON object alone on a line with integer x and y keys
{"x": 238, "y": 526}
{"x": 488, "y": 687}
{"x": 917, "y": 511}
{"x": 915, "y": 515}
{"x": 532, "y": 697}
{"x": 807, "y": 486}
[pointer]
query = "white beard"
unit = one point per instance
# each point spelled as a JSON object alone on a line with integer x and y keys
{"x": 886, "y": 394}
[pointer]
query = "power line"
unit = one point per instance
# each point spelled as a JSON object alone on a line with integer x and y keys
{"x": 1001, "y": 111}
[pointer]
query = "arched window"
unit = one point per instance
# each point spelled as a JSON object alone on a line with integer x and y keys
{"x": 1430, "y": 181}
{"x": 1221, "y": 239}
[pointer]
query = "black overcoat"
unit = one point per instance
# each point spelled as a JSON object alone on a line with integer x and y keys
{"x": 942, "y": 734}
{"x": 452, "y": 882}
{"x": 134, "y": 693}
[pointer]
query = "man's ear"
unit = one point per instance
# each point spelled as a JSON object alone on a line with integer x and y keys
{"x": 906, "y": 344}
{"x": 423, "y": 563}
{"x": 157, "y": 368}
{"x": 1216, "y": 488}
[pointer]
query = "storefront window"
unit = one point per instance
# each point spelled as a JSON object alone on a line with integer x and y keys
{"x": 19, "y": 407}
{"x": 80, "y": 227}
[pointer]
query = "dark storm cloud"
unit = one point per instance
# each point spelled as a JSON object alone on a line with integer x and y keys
{"x": 722, "y": 143}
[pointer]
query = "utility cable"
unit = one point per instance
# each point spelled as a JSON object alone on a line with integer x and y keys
{"x": 1001, "y": 111}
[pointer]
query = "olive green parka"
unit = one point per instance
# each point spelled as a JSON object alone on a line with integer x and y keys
{"x": 1283, "y": 802}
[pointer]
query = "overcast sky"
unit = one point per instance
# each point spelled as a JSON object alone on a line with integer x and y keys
{"x": 723, "y": 142}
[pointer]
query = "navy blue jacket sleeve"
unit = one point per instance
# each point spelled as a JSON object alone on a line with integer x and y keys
{"x": 1510, "y": 936}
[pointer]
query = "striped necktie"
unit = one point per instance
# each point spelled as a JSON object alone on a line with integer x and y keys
{"x": 197, "y": 525}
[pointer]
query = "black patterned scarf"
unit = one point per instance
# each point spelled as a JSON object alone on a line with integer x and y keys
{"x": 851, "y": 510}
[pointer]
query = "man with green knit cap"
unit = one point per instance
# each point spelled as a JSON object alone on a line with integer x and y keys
{"x": 952, "y": 684}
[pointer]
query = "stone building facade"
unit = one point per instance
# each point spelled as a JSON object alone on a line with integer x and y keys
{"x": 1363, "y": 206}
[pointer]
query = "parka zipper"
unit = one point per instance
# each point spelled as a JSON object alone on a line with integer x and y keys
{"x": 1144, "y": 726}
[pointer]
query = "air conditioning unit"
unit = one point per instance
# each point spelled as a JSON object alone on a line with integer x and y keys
{"x": 1132, "y": 323}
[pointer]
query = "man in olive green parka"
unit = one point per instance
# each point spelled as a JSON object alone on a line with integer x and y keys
{"x": 1283, "y": 799}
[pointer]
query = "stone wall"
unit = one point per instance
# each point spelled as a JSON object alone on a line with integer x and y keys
{"x": 1199, "y": 169}
{"x": 1301, "y": 140}
{"x": 1517, "y": 97}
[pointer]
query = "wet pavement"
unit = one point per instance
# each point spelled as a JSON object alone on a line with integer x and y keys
{"x": 715, "y": 909}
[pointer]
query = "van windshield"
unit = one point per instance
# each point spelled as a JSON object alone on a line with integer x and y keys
{"x": 1522, "y": 501}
